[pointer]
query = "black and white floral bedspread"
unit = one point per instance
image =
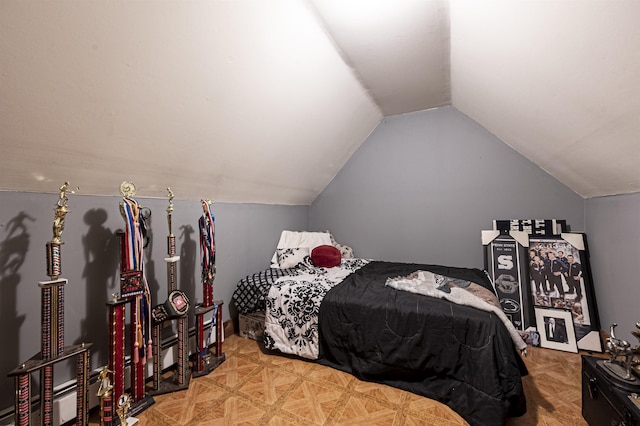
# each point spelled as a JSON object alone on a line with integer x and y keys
{"x": 251, "y": 291}
{"x": 292, "y": 306}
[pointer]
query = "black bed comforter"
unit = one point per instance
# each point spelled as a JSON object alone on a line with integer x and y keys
{"x": 455, "y": 354}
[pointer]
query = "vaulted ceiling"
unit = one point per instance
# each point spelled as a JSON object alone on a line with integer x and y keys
{"x": 264, "y": 101}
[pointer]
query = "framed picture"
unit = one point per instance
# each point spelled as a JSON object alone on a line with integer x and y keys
{"x": 556, "y": 330}
{"x": 561, "y": 278}
{"x": 505, "y": 260}
{"x": 539, "y": 227}
{"x": 131, "y": 283}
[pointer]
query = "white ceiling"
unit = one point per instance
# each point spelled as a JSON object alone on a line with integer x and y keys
{"x": 264, "y": 101}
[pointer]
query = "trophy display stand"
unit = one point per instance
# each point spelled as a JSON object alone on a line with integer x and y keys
{"x": 204, "y": 361}
{"x": 177, "y": 305}
{"x": 118, "y": 308}
{"x": 53, "y": 349}
{"x": 132, "y": 288}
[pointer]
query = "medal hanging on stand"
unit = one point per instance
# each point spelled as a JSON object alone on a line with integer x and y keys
{"x": 134, "y": 282}
{"x": 205, "y": 362}
{"x": 208, "y": 250}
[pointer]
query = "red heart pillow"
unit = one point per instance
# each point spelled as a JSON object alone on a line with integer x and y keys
{"x": 326, "y": 256}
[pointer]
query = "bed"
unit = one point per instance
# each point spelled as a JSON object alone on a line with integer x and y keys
{"x": 418, "y": 327}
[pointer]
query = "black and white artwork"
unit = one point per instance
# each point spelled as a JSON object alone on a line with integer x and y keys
{"x": 556, "y": 329}
{"x": 505, "y": 260}
{"x": 534, "y": 227}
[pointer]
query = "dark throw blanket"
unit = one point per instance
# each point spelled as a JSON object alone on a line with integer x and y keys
{"x": 458, "y": 355}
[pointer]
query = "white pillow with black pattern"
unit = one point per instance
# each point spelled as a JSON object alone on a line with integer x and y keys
{"x": 291, "y": 257}
{"x": 294, "y": 239}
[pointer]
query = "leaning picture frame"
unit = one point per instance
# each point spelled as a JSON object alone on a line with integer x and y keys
{"x": 532, "y": 226}
{"x": 505, "y": 260}
{"x": 561, "y": 278}
{"x": 556, "y": 329}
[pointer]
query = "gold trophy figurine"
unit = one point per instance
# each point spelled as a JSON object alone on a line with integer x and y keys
{"x": 122, "y": 409}
{"x": 104, "y": 390}
{"x": 54, "y": 267}
{"x": 104, "y": 395}
{"x": 60, "y": 212}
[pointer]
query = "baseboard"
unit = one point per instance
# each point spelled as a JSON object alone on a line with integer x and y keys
{"x": 228, "y": 328}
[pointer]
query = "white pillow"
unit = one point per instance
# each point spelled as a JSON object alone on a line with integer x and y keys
{"x": 292, "y": 257}
{"x": 345, "y": 251}
{"x": 295, "y": 239}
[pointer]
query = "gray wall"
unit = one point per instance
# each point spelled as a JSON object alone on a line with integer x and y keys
{"x": 420, "y": 189}
{"x": 246, "y": 236}
{"x": 614, "y": 244}
{"x": 425, "y": 184}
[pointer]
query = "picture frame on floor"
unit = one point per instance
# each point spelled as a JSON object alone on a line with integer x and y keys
{"x": 505, "y": 260}
{"x": 560, "y": 276}
{"x": 556, "y": 329}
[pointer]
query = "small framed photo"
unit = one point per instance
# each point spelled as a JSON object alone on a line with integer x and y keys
{"x": 556, "y": 330}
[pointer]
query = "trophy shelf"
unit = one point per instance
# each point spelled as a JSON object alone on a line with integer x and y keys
{"x": 36, "y": 362}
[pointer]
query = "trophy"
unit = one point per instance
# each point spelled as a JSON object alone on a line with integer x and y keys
{"x": 204, "y": 362}
{"x": 105, "y": 396}
{"x": 135, "y": 298}
{"x": 54, "y": 266}
{"x": 176, "y": 308}
{"x": 622, "y": 357}
{"x": 122, "y": 409}
{"x": 52, "y": 349}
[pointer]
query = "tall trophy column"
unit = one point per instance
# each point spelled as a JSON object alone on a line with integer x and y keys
{"x": 204, "y": 361}
{"x": 52, "y": 348}
{"x": 175, "y": 308}
{"x": 134, "y": 293}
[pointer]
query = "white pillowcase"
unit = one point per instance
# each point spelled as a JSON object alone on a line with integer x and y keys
{"x": 296, "y": 239}
{"x": 292, "y": 257}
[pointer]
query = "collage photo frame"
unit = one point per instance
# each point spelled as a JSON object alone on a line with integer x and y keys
{"x": 568, "y": 282}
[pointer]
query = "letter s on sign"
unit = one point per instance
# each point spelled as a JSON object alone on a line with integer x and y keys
{"x": 505, "y": 262}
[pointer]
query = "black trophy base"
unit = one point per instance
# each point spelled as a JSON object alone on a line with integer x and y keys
{"x": 170, "y": 385}
{"x": 211, "y": 363}
{"x": 618, "y": 374}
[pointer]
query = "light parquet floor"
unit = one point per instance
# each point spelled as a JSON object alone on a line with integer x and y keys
{"x": 254, "y": 388}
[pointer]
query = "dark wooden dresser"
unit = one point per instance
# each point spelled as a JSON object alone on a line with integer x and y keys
{"x": 605, "y": 400}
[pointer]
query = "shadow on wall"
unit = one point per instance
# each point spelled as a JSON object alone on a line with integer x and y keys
{"x": 101, "y": 250}
{"x": 187, "y": 268}
{"x": 13, "y": 250}
{"x": 149, "y": 263}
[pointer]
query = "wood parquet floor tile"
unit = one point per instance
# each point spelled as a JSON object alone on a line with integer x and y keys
{"x": 252, "y": 387}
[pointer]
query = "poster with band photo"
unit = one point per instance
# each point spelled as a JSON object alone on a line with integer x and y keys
{"x": 560, "y": 276}
{"x": 505, "y": 260}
